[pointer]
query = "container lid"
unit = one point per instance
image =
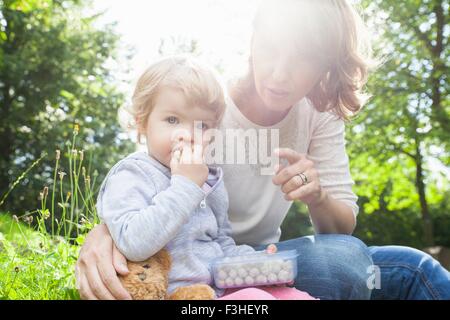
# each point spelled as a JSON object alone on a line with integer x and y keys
{"x": 256, "y": 256}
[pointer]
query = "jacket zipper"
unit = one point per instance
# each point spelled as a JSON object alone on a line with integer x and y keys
{"x": 203, "y": 202}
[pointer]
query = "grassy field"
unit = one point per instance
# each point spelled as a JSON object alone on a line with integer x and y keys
{"x": 34, "y": 266}
{"x": 38, "y": 250}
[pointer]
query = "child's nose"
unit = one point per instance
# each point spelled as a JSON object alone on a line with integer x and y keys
{"x": 184, "y": 134}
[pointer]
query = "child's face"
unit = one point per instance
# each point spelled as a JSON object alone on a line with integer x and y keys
{"x": 173, "y": 119}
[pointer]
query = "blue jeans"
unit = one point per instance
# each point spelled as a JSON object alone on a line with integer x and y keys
{"x": 409, "y": 274}
{"x": 331, "y": 266}
{"x": 342, "y": 267}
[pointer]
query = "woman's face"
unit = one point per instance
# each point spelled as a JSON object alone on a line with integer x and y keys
{"x": 283, "y": 71}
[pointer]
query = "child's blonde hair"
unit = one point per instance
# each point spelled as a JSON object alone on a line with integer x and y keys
{"x": 338, "y": 38}
{"x": 198, "y": 83}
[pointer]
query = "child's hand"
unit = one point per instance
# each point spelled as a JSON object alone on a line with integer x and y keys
{"x": 271, "y": 248}
{"x": 187, "y": 160}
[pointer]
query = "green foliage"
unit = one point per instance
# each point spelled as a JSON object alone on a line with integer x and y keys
{"x": 56, "y": 71}
{"x": 404, "y": 130}
{"x": 57, "y": 92}
{"x": 297, "y": 223}
{"x": 395, "y": 143}
{"x": 40, "y": 264}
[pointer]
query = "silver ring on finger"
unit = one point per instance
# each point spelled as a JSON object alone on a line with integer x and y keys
{"x": 304, "y": 178}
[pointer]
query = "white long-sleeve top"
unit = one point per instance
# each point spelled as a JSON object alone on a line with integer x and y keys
{"x": 257, "y": 206}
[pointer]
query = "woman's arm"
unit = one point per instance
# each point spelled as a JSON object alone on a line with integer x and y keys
{"x": 328, "y": 215}
{"x": 328, "y": 189}
{"x": 97, "y": 267}
{"x": 332, "y": 216}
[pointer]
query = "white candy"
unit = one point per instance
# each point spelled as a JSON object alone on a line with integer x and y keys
{"x": 229, "y": 282}
{"x": 232, "y": 273}
{"x": 287, "y": 265}
{"x": 250, "y": 265}
{"x": 276, "y": 266}
{"x": 261, "y": 279}
{"x": 283, "y": 275}
{"x": 239, "y": 281}
{"x": 254, "y": 272}
{"x": 256, "y": 269}
{"x": 224, "y": 269}
{"x": 249, "y": 280}
{"x": 266, "y": 267}
{"x": 222, "y": 274}
{"x": 272, "y": 277}
{"x": 242, "y": 272}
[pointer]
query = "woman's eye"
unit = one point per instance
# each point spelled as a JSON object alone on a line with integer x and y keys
{"x": 172, "y": 120}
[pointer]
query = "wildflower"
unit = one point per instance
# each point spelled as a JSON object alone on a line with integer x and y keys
{"x": 45, "y": 214}
{"x": 76, "y": 129}
{"x": 58, "y": 154}
{"x": 28, "y": 219}
{"x": 87, "y": 180}
{"x": 68, "y": 196}
{"x": 45, "y": 191}
{"x": 61, "y": 175}
{"x": 41, "y": 195}
{"x": 83, "y": 171}
{"x": 15, "y": 218}
{"x": 74, "y": 153}
{"x": 81, "y": 152}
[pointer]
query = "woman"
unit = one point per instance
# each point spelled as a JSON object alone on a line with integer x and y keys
{"x": 306, "y": 69}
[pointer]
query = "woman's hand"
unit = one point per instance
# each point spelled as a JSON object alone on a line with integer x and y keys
{"x": 299, "y": 180}
{"x": 97, "y": 267}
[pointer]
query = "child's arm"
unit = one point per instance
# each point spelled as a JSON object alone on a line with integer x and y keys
{"x": 139, "y": 226}
{"x": 229, "y": 246}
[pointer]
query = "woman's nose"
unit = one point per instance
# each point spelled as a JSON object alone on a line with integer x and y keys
{"x": 280, "y": 71}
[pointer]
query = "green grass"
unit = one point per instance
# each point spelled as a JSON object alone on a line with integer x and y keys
{"x": 33, "y": 265}
{"x": 38, "y": 250}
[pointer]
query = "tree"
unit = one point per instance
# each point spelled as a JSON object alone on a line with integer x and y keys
{"x": 55, "y": 72}
{"x": 407, "y": 122}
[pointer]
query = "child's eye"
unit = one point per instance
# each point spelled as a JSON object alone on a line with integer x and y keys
{"x": 172, "y": 120}
{"x": 202, "y": 126}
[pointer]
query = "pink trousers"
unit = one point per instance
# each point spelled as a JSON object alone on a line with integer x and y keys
{"x": 266, "y": 293}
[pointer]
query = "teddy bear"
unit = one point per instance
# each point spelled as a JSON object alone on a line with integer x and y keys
{"x": 149, "y": 280}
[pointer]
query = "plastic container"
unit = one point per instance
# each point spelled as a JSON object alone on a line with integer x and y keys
{"x": 255, "y": 269}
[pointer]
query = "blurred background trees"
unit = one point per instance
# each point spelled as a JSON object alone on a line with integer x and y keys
{"x": 56, "y": 70}
{"x": 399, "y": 144}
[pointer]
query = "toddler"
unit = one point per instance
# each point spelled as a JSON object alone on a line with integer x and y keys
{"x": 168, "y": 197}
